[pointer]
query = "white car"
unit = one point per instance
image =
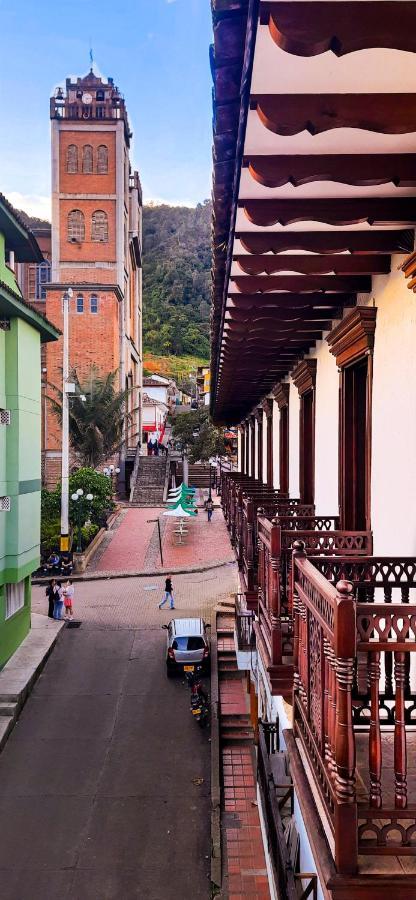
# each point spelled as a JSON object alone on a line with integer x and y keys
{"x": 187, "y": 645}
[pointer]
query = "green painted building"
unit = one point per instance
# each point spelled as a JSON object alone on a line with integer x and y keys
{"x": 22, "y": 330}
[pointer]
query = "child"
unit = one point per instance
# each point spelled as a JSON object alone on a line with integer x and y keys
{"x": 68, "y": 596}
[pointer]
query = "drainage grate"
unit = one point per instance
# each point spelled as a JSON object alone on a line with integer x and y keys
{"x": 5, "y": 504}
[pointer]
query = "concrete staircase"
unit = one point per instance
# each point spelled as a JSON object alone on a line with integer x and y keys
{"x": 150, "y": 481}
{"x": 199, "y": 475}
{"x": 235, "y": 728}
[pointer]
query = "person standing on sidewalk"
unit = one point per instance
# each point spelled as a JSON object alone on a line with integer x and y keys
{"x": 168, "y": 594}
{"x": 52, "y": 593}
{"x": 57, "y": 608}
{"x": 68, "y": 595}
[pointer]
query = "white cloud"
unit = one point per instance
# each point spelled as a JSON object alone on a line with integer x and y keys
{"x": 159, "y": 201}
{"x": 32, "y": 204}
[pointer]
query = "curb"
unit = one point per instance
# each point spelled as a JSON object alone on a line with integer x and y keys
{"x": 107, "y": 576}
{"x": 216, "y": 859}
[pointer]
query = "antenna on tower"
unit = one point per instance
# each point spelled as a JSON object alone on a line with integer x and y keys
{"x": 91, "y": 56}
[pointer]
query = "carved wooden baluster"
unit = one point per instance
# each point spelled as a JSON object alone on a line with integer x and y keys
{"x": 400, "y": 757}
{"x": 374, "y": 742}
{"x": 332, "y": 708}
{"x": 407, "y": 686}
{"x": 275, "y": 608}
{"x": 249, "y": 550}
{"x": 345, "y": 806}
{"x": 326, "y": 700}
{"x": 298, "y": 553}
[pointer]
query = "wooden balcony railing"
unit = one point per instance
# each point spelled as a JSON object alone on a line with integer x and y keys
{"x": 355, "y": 701}
{"x": 275, "y": 607}
{"x": 244, "y": 621}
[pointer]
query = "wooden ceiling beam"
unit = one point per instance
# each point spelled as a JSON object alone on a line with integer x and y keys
{"x": 301, "y": 283}
{"x": 289, "y": 114}
{"x": 287, "y": 300}
{"x": 309, "y": 29}
{"x": 354, "y": 168}
{"x": 340, "y": 264}
{"x": 354, "y": 242}
{"x": 333, "y": 211}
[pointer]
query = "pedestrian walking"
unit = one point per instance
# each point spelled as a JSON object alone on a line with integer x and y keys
{"x": 68, "y": 596}
{"x": 52, "y": 593}
{"x": 168, "y": 594}
{"x": 209, "y": 506}
{"x": 58, "y": 604}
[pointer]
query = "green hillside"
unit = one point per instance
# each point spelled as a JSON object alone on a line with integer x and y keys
{"x": 176, "y": 279}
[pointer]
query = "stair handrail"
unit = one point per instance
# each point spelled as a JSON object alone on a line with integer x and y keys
{"x": 167, "y": 475}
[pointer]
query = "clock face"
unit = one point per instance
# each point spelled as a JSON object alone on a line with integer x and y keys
{"x": 87, "y": 98}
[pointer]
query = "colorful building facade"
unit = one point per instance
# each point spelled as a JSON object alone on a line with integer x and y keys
{"x": 22, "y": 332}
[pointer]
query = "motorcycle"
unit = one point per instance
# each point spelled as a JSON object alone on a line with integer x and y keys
{"x": 199, "y": 698}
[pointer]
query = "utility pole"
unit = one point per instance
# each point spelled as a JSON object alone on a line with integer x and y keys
{"x": 64, "y": 544}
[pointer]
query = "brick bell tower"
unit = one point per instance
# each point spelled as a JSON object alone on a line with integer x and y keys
{"x": 96, "y": 248}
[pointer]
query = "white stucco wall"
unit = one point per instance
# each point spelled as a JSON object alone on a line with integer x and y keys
{"x": 157, "y": 393}
{"x": 276, "y": 440}
{"x": 264, "y": 448}
{"x": 326, "y": 431}
{"x": 393, "y": 482}
{"x": 294, "y": 407}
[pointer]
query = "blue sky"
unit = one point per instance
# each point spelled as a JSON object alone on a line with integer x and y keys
{"x": 157, "y": 53}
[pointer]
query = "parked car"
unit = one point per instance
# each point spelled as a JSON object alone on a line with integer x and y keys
{"x": 187, "y": 645}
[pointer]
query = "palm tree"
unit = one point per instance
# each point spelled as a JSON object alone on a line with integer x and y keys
{"x": 97, "y": 421}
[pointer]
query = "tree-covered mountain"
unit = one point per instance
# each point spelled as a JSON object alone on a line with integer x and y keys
{"x": 176, "y": 279}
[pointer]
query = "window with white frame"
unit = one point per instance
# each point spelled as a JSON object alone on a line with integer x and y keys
{"x": 80, "y": 303}
{"x": 43, "y": 277}
{"x": 15, "y": 598}
{"x": 94, "y": 303}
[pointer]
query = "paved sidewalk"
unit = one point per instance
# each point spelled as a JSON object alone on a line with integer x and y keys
{"x": 129, "y": 545}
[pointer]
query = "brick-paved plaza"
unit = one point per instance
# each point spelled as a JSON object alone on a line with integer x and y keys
{"x": 133, "y": 543}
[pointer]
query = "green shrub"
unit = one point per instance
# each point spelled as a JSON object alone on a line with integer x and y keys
{"x": 50, "y": 534}
{"x": 88, "y": 532}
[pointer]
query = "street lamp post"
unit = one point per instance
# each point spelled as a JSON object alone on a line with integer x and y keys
{"x": 64, "y": 543}
{"x": 81, "y": 511}
{"x": 110, "y": 471}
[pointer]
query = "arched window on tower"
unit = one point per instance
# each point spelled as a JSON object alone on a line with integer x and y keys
{"x": 76, "y": 226}
{"x": 99, "y": 226}
{"x": 87, "y": 159}
{"x": 102, "y": 160}
{"x": 72, "y": 159}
